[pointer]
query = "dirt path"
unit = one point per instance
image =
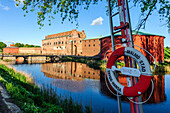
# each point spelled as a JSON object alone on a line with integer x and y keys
{"x": 6, "y": 105}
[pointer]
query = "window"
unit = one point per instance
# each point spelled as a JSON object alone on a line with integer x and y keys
{"x": 54, "y": 43}
{"x": 78, "y": 35}
{"x": 89, "y": 45}
{"x": 80, "y": 41}
{"x": 74, "y": 41}
{"x": 88, "y": 72}
{"x": 58, "y": 42}
{"x": 85, "y": 45}
{"x": 93, "y": 44}
{"x": 62, "y": 42}
{"x": 50, "y": 43}
{"x": 84, "y": 71}
{"x": 94, "y": 40}
{"x": 93, "y": 73}
{"x": 89, "y": 40}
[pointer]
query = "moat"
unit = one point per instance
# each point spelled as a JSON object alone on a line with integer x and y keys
{"x": 87, "y": 86}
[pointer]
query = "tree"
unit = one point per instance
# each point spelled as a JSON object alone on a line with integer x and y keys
{"x": 69, "y": 9}
{"x": 24, "y": 45}
{"x": 19, "y": 45}
{"x": 2, "y": 45}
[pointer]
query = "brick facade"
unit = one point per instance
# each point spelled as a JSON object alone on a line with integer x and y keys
{"x": 31, "y": 50}
{"x": 34, "y": 50}
{"x": 11, "y": 50}
{"x": 91, "y": 47}
{"x": 66, "y": 43}
{"x": 152, "y": 43}
{"x": 75, "y": 43}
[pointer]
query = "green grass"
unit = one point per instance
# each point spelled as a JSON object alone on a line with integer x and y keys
{"x": 32, "y": 99}
{"x": 167, "y": 53}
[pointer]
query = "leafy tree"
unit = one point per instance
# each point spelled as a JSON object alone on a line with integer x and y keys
{"x": 69, "y": 9}
{"x": 25, "y": 45}
{"x": 19, "y": 45}
{"x": 2, "y": 45}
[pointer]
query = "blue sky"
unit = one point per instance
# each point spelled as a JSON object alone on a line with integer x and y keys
{"x": 15, "y": 27}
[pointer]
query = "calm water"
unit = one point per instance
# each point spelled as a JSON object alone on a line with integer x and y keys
{"x": 87, "y": 85}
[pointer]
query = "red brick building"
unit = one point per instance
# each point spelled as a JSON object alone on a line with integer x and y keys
{"x": 98, "y": 46}
{"x": 11, "y": 49}
{"x": 75, "y": 43}
{"x": 65, "y": 43}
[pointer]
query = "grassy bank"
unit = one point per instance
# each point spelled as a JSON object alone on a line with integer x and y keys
{"x": 91, "y": 62}
{"x": 32, "y": 99}
{"x": 100, "y": 64}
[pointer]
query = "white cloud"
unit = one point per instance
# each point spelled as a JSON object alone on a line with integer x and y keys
{"x": 4, "y": 7}
{"x": 9, "y": 41}
{"x": 97, "y": 21}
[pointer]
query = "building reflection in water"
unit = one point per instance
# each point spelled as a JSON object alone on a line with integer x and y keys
{"x": 69, "y": 70}
{"x": 73, "y": 74}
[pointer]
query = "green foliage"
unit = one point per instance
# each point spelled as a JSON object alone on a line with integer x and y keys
{"x": 31, "y": 99}
{"x": 24, "y": 45}
{"x": 69, "y": 9}
{"x": 2, "y": 45}
{"x": 19, "y": 45}
{"x": 167, "y": 53}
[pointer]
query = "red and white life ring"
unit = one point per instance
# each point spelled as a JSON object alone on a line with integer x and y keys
{"x": 144, "y": 68}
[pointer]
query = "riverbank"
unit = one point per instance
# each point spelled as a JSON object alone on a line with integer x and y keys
{"x": 101, "y": 64}
{"x": 30, "y": 98}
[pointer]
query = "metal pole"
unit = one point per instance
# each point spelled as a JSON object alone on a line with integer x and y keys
{"x": 113, "y": 48}
{"x": 132, "y": 44}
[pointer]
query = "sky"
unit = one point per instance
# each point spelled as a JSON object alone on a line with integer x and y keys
{"x": 14, "y": 27}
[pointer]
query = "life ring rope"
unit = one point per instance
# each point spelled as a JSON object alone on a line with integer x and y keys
{"x": 144, "y": 67}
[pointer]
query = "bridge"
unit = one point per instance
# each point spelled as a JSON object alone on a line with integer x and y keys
{"x": 48, "y": 57}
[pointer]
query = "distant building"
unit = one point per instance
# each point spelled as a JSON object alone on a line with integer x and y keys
{"x": 98, "y": 46}
{"x": 75, "y": 43}
{"x": 28, "y": 50}
{"x": 34, "y": 50}
{"x": 11, "y": 49}
{"x": 65, "y": 43}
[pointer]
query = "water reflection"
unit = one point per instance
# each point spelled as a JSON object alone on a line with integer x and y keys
{"x": 158, "y": 95}
{"x": 69, "y": 70}
{"x": 73, "y": 74}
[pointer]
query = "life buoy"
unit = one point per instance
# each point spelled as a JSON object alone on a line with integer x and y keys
{"x": 144, "y": 68}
